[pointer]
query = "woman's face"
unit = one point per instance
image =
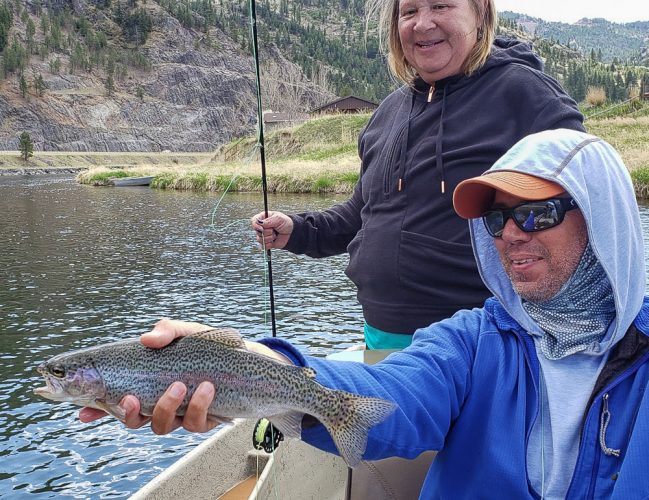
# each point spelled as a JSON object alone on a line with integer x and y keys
{"x": 437, "y": 35}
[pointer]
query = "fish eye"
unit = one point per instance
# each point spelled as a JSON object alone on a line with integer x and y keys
{"x": 57, "y": 372}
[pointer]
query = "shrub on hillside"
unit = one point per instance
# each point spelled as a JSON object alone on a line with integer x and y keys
{"x": 595, "y": 96}
{"x": 25, "y": 146}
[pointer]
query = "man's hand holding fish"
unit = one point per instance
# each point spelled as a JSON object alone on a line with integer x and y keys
{"x": 193, "y": 376}
{"x": 165, "y": 418}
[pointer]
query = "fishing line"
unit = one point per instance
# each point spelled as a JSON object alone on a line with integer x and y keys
{"x": 216, "y": 207}
{"x": 262, "y": 155}
{"x": 615, "y": 106}
{"x": 234, "y": 177}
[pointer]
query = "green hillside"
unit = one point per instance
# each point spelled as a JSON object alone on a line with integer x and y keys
{"x": 327, "y": 39}
{"x": 320, "y": 156}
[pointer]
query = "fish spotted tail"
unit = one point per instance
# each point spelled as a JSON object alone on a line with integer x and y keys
{"x": 350, "y": 427}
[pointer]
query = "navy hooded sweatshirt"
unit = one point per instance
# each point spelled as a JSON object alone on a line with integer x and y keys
{"x": 410, "y": 254}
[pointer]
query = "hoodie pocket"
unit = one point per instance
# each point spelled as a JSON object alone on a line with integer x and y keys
{"x": 444, "y": 272}
{"x": 354, "y": 247}
{"x": 354, "y": 250}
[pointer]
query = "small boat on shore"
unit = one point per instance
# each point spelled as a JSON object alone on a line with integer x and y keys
{"x": 130, "y": 181}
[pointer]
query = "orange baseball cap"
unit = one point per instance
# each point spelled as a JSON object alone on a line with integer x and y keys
{"x": 472, "y": 197}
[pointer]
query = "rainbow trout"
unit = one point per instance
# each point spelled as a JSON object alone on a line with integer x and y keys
{"x": 248, "y": 385}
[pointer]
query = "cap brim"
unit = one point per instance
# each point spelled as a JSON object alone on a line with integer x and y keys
{"x": 472, "y": 197}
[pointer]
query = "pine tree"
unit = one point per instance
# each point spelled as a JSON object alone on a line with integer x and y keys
{"x": 110, "y": 85}
{"x": 23, "y": 85}
{"x": 39, "y": 85}
{"x": 31, "y": 31}
{"x": 55, "y": 66}
{"x": 6, "y": 20}
{"x": 25, "y": 146}
{"x": 45, "y": 24}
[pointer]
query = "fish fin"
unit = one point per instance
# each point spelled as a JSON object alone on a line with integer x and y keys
{"x": 289, "y": 423}
{"x": 218, "y": 419}
{"x": 226, "y": 336}
{"x": 308, "y": 372}
{"x": 115, "y": 410}
{"x": 350, "y": 425}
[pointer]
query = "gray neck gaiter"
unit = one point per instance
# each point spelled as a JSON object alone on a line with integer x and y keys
{"x": 579, "y": 314}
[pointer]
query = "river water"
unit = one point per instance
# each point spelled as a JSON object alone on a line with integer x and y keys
{"x": 82, "y": 265}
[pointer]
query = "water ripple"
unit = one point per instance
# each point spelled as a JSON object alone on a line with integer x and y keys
{"x": 82, "y": 266}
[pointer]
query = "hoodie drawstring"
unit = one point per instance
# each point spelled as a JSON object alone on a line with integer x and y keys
{"x": 438, "y": 144}
{"x": 603, "y": 425}
{"x": 404, "y": 147}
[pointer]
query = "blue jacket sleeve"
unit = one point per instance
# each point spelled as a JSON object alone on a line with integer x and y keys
{"x": 428, "y": 381}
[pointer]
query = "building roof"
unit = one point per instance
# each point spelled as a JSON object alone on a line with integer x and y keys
{"x": 347, "y": 103}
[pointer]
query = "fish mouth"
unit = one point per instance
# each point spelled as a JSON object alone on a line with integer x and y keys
{"x": 49, "y": 392}
{"x": 45, "y": 392}
{"x": 56, "y": 394}
{"x": 52, "y": 389}
{"x": 41, "y": 391}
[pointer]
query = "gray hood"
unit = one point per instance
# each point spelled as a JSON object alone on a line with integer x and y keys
{"x": 592, "y": 172}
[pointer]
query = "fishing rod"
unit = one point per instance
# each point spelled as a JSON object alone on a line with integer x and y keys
{"x": 265, "y": 436}
{"x": 262, "y": 155}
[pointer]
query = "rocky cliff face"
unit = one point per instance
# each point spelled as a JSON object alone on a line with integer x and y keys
{"x": 196, "y": 95}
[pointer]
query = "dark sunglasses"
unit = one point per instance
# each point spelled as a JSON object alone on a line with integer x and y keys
{"x": 530, "y": 216}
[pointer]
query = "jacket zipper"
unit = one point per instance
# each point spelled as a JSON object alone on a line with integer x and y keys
{"x": 593, "y": 479}
{"x": 391, "y": 163}
{"x": 537, "y": 385}
{"x": 431, "y": 91}
{"x": 604, "y": 420}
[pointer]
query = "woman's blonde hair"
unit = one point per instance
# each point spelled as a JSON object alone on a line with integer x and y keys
{"x": 388, "y": 10}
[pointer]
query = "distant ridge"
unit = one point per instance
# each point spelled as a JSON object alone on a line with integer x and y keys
{"x": 621, "y": 41}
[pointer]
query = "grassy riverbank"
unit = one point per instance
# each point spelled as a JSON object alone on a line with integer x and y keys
{"x": 317, "y": 156}
{"x": 630, "y": 136}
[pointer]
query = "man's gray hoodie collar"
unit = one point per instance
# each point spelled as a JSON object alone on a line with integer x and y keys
{"x": 607, "y": 201}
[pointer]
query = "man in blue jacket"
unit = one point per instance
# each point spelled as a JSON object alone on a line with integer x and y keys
{"x": 540, "y": 393}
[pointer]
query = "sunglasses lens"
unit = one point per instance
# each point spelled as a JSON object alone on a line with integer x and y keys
{"x": 494, "y": 221}
{"x": 530, "y": 217}
{"x": 525, "y": 217}
{"x": 537, "y": 216}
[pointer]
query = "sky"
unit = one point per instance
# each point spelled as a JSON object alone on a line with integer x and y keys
{"x": 569, "y": 11}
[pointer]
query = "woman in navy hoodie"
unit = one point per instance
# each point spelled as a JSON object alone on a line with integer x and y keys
{"x": 468, "y": 97}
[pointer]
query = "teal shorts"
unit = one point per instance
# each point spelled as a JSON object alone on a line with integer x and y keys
{"x": 378, "y": 339}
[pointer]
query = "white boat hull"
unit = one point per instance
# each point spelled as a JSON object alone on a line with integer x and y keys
{"x": 294, "y": 471}
{"x": 131, "y": 181}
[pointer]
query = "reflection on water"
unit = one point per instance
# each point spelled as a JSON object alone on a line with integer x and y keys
{"x": 81, "y": 265}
